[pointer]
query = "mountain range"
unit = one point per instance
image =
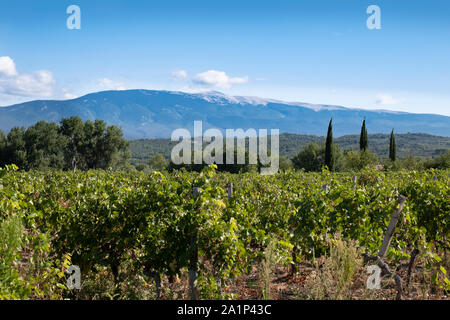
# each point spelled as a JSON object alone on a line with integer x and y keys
{"x": 155, "y": 114}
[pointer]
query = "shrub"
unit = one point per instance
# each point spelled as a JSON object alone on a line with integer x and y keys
{"x": 332, "y": 280}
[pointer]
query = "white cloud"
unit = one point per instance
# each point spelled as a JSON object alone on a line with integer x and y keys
{"x": 7, "y": 66}
{"x": 388, "y": 100}
{"x": 179, "y": 75}
{"x": 108, "y": 84}
{"x": 37, "y": 84}
{"x": 218, "y": 79}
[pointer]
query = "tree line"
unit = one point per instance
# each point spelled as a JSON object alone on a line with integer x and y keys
{"x": 314, "y": 157}
{"x": 73, "y": 144}
{"x": 69, "y": 145}
{"x": 417, "y": 145}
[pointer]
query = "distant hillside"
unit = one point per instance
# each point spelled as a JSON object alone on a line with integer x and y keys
{"x": 155, "y": 114}
{"x": 416, "y": 144}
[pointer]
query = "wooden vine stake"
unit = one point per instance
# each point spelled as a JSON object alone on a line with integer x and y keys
{"x": 193, "y": 259}
{"x": 156, "y": 277}
{"x": 414, "y": 254}
{"x": 385, "y": 245}
{"x": 391, "y": 227}
{"x": 230, "y": 191}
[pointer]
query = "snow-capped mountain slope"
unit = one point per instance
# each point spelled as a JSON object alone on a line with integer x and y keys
{"x": 155, "y": 114}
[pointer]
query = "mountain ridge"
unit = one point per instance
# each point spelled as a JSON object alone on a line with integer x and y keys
{"x": 156, "y": 113}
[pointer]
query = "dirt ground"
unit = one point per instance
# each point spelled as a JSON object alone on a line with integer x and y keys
{"x": 287, "y": 286}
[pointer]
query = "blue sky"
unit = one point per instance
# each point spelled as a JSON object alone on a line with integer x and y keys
{"x": 317, "y": 51}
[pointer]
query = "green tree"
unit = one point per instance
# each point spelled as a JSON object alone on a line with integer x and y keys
{"x": 157, "y": 162}
{"x": 73, "y": 131}
{"x": 2, "y": 148}
{"x": 329, "y": 151}
{"x": 44, "y": 146}
{"x": 355, "y": 161}
{"x": 363, "y": 139}
{"x": 338, "y": 156}
{"x": 16, "y": 148}
{"x": 94, "y": 144}
{"x": 311, "y": 158}
{"x": 285, "y": 164}
{"x": 141, "y": 167}
{"x": 411, "y": 163}
{"x": 103, "y": 146}
{"x": 115, "y": 148}
{"x": 392, "y": 147}
{"x": 440, "y": 162}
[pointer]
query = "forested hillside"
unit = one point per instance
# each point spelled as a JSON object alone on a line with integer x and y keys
{"x": 414, "y": 144}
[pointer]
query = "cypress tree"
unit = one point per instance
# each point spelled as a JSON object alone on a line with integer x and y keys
{"x": 329, "y": 155}
{"x": 392, "y": 147}
{"x": 363, "y": 139}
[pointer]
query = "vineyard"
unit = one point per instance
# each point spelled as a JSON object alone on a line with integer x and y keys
{"x": 213, "y": 235}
